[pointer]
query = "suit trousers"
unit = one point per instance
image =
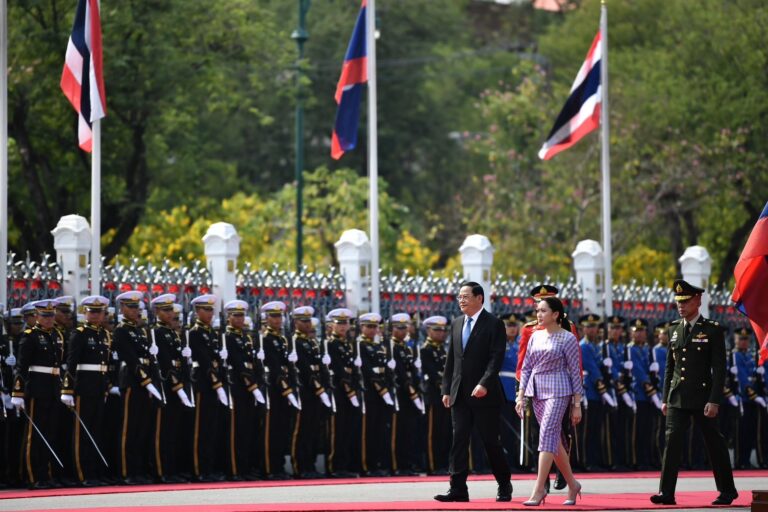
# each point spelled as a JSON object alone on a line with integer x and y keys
{"x": 678, "y": 421}
{"x": 486, "y": 420}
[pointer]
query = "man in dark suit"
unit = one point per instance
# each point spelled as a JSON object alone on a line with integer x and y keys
{"x": 472, "y": 389}
{"x": 693, "y": 388}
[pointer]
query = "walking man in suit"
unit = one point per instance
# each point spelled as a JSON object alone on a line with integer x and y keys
{"x": 693, "y": 388}
{"x": 472, "y": 390}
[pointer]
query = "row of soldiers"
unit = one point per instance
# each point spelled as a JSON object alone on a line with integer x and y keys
{"x": 135, "y": 403}
{"x": 623, "y": 365}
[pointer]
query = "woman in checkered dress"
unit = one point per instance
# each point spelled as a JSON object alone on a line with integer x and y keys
{"x": 552, "y": 378}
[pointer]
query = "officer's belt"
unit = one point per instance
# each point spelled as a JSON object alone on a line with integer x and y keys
{"x": 92, "y": 368}
{"x": 51, "y": 370}
{"x": 378, "y": 369}
{"x": 248, "y": 365}
{"x": 508, "y": 374}
{"x": 348, "y": 370}
{"x": 176, "y": 364}
{"x": 144, "y": 360}
{"x": 314, "y": 367}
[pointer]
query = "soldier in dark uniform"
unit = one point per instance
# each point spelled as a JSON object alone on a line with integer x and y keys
{"x": 409, "y": 405}
{"x": 243, "y": 391}
{"x": 378, "y": 402}
{"x": 140, "y": 396}
{"x": 613, "y": 351}
{"x": 13, "y": 438}
{"x": 646, "y": 394}
{"x": 693, "y": 388}
{"x": 510, "y": 423}
{"x": 279, "y": 420}
{"x": 113, "y": 408}
{"x": 36, "y": 389}
{"x": 744, "y": 369}
{"x": 343, "y": 454}
{"x": 85, "y": 388}
{"x": 29, "y": 314}
{"x": 657, "y": 367}
{"x": 210, "y": 394}
{"x": 307, "y": 439}
{"x": 170, "y": 357}
{"x": 433, "y": 357}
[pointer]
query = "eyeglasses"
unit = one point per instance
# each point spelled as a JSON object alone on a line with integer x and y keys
{"x": 464, "y": 298}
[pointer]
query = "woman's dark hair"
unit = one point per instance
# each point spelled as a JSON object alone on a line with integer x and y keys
{"x": 557, "y": 307}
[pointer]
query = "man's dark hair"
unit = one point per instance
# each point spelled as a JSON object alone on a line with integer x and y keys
{"x": 476, "y": 288}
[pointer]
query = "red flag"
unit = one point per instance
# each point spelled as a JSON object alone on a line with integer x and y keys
{"x": 751, "y": 291}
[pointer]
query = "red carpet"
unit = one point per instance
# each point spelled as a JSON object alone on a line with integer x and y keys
{"x": 590, "y": 502}
{"x": 75, "y": 491}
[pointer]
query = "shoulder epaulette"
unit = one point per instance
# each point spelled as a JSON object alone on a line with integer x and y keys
{"x": 27, "y": 331}
{"x": 81, "y": 328}
{"x": 676, "y": 322}
{"x": 532, "y": 323}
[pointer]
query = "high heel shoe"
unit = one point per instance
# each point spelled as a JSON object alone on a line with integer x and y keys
{"x": 536, "y": 502}
{"x": 577, "y": 493}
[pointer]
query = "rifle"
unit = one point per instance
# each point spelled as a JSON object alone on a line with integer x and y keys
{"x": 189, "y": 367}
{"x": 156, "y": 365}
{"x": 260, "y": 356}
{"x": 227, "y": 366}
{"x": 392, "y": 376}
{"x": 328, "y": 374}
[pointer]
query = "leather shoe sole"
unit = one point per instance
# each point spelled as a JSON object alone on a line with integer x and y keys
{"x": 661, "y": 499}
{"x": 450, "y": 497}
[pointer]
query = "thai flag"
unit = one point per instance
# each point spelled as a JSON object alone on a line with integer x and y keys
{"x": 581, "y": 113}
{"x": 751, "y": 273}
{"x": 82, "y": 79}
{"x": 354, "y": 74}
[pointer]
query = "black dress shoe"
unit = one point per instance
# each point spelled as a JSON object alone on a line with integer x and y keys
{"x": 40, "y": 485}
{"x": 725, "y": 498}
{"x": 90, "y": 483}
{"x": 663, "y": 499}
{"x": 176, "y": 479}
{"x": 437, "y": 472}
{"x": 453, "y": 495}
{"x": 343, "y": 474}
{"x": 505, "y": 492}
{"x": 277, "y": 476}
{"x": 560, "y": 482}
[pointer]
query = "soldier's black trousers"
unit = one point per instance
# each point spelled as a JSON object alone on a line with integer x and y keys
{"x": 642, "y": 433}
{"x": 166, "y": 434}
{"x": 677, "y": 424}
{"x": 404, "y": 434}
{"x": 376, "y": 433}
{"x": 308, "y": 433}
{"x": 344, "y": 435}
{"x": 88, "y": 464}
{"x": 278, "y": 425}
{"x": 62, "y": 441}
{"x": 438, "y": 437}
{"x": 242, "y": 432}
{"x": 747, "y": 433}
{"x": 37, "y": 457}
{"x": 589, "y": 434}
{"x": 206, "y": 440}
{"x": 135, "y": 433}
{"x": 11, "y": 465}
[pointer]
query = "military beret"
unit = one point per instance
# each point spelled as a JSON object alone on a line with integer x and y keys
{"x": 685, "y": 290}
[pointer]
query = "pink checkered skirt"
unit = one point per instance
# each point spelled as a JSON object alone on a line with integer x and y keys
{"x": 549, "y": 413}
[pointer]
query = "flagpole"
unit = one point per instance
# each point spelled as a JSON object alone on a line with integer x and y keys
{"x": 96, "y": 209}
{"x": 3, "y": 152}
{"x": 605, "y": 161}
{"x": 373, "y": 153}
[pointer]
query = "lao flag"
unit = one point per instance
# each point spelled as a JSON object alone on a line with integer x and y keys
{"x": 751, "y": 273}
{"x": 581, "y": 113}
{"x": 82, "y": 79}
{"x": 354, "y": 74}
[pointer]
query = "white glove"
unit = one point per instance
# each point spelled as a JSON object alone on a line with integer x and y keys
{"x": 584, "y": 402}
{"x": 68, "y": 400}
{"x": 608, "y": 362}
{"x": 760, "y": 400}
{"x": 358, "y": 362}
{"x": 608, "y": 399}
{"x": 259, "y": 396}
{"x": 628, "y": 365}
{"x": 223, "y": 354}
{"x": 388, "y": 399}
{"x": 294, "y": 403}
{"x": 391, "y": 364}
{"x": 153, "y": 391}
{"x": 7, "y": 403}
{"x": 760, "y": 370}
{"x": 654, "y": 367}
{"x": 17, "y": 402}
{"x": 656, "y": 401}
{"x": 354, "y": 401}
{"x": 628, "y": 400}
{"x": 293, "y": 357}
{"x": 222, "y": 397}
{"x": 419, "y": 404}
{"x": 734, "y": 370}
{"x": 417, "y": 364}
{"x": 11, "y": 361}
{"x": 326, "y": 359}
{"x": 733, "y": 400}
{"x": 326, "y": 401}
{"x": 184, "y": 398}
{"x": 260, "y": 354}
{"x": 186, "y": 352}
{"x": 153, "y": 349}
{"x": 114, "y": 390}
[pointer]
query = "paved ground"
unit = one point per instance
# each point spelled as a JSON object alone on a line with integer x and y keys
{"x": 350, "y": 493}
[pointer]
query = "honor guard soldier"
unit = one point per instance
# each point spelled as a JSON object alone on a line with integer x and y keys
{"x": 140, "y": 396}
{"x": 210, "y": 394}
{"x": 170, "y": 357}
{"x": 510, "y": 428}
{"x": 7, "y": 363}
{"x": 658, "y": 364}
{"x": 343, "y": 455}
{"x": 85, "y": 388}
{"x": 29, "y": 314}
{"x": 409, "y": 405}
{"x": 744, "y": 369}
{"x": 63, "y": 320}
{"x": 63, "y": 328}
{"x": 282, "y": 396}
{"x": 646, "y": 394}
{"x": 590, "y": 431}
{"x": 378, "y": 402}
{"x": 693, "y": 389}
{"x": 244, "y": 392}
{"x": 433, "y": 358}
{"x": 14, "y": 423}
{"x": 308, "y": 431}
{"x": 618, "y": 420}
{"x": 36, "y": 390}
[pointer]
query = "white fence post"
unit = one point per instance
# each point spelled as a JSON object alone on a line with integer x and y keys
{"x": 72, "y": 241}
{"x": 353, "y": 250}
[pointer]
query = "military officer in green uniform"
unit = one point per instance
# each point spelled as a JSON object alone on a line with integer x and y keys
{"x": 693, "y": 389}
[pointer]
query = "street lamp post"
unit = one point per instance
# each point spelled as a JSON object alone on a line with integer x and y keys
{"x": 300, "y": 35}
